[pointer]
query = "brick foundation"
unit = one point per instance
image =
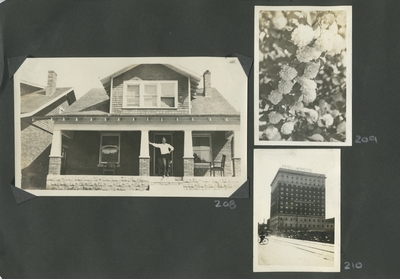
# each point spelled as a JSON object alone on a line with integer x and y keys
{"x": 137, "y": 183}
{"x": 236, "y": 167}
{"x": 54, "y": 165}
{"x": 188, "y": 167}
{"x": 144, "y": 166}
{"x": 210, "y": 183}
{"x": 102, "y": 183}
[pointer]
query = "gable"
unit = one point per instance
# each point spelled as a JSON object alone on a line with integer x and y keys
{"x": 155, "y": 74}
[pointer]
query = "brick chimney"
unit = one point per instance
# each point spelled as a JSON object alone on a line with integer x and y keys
{"x": 207, "y": 83}
{"x": 51, "y": 83}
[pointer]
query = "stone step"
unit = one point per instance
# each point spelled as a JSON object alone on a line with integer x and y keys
{"x": 165, "y": 179}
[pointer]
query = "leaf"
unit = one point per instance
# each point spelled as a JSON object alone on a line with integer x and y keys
{"x": 341, "y": 128}
{"x": 316, "y": 137}
{"x": 309, "y": 20}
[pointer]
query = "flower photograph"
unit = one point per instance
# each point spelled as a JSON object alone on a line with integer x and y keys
{"x": 303, "y": 75}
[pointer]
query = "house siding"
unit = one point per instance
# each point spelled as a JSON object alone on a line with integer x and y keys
{"x": 150, "y": 72}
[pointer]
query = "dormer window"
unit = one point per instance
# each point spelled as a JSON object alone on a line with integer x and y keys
{"x": 150, "y": 94}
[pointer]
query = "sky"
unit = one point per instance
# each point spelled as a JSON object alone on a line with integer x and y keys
{"x": 83, "y": 74}
{"x": 321, "y": 161}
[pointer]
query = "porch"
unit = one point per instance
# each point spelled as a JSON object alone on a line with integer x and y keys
{"x": 120, "y": 154}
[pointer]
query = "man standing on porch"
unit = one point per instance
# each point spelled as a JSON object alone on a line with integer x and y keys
{"x": 165, "y": 150}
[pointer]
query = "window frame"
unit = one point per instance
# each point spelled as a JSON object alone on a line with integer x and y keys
{"x": 101, "y": 162}
{"x": 209, "y": 135}
{"x": 142, "y": 84}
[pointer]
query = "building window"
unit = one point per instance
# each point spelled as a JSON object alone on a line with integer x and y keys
{"x": 150, "y": 94}
{"x": 109, "y": 148}
{"x": 202, "y": 148}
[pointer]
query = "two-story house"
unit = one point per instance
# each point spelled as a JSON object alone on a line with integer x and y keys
{"x": 101, "y": 142}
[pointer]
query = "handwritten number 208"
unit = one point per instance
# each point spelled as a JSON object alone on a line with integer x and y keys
{"x": 231, "y": 204}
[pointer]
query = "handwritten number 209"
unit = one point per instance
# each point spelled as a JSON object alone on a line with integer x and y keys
{"x": 360, "y": 139}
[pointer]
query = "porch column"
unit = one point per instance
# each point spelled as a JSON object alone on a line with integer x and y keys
{"x": 188, "y": 159}
{"x": 236, "y": 160}
{"x": 144, "y": 158}
{"x": 55, "y": 153}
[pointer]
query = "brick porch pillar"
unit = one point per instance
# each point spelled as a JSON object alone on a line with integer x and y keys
{"x": 236, "y": 160}
{"x": 144, "y": 158}
{"x": 55, "y": 154}
{"x": 188, "y": 159}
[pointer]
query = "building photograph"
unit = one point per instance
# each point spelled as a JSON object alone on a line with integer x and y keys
{"x": 297, "y": 209}
{"x": 131, "y": 126}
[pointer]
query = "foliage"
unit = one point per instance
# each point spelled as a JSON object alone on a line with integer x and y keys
{"x": 302, "y": 76}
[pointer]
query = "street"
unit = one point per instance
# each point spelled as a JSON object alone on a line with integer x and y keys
{"x": 294, "y": 252}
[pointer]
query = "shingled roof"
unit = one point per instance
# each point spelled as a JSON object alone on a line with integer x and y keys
{"x": 94, "y": 102}
{"x": 212, "y": 105}
{"x": 35, "y": 100}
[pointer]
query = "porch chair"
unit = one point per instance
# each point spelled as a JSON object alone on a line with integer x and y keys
{"x": 220, "y": 168}
{"x": 109, "y": 168}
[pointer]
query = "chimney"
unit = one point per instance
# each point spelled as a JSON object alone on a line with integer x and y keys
{"x": 207, "y": 83}
{"x": 51, "y": 83}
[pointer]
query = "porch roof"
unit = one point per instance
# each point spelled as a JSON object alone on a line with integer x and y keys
{"x": 33, "y": 101}
{"x": 94, "y": 102}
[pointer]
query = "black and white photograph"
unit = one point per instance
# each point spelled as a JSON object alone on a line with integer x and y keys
{"x": 296, "y": 210}
{"x": 303, "y": 75}
{"x": 131, "y": 126}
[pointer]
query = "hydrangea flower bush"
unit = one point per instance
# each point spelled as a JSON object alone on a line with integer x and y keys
{"x": 302, "y": 76}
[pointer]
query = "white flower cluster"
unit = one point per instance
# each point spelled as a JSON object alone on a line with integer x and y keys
{"x": 287, "y": 128}
{"x": 325, "y": 41}
{"x": 308, "y": 88}
{"x": 326, "y": 120}
{"x": 272, "y": 133}
{"x": 287, "y": 72}
{"x": 279, "y": 21}
{"x": 307, "y": 53}
{"x": 312, "y": 113}
{"x": 275, "y": 117}
{"x": 285, "y": 86}
{"x": 275, "y": 97}
{"x": 327, "y": 38}
{"x": 311, "y": 70}
{"x": 302, "y": 35}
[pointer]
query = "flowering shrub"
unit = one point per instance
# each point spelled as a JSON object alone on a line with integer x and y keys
{"x": 302, "y": 76}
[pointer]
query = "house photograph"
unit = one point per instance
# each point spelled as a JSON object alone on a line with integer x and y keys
{"x": 131, "y": 126}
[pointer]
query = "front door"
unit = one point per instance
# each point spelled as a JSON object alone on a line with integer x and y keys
{"x": 157, "y": 164}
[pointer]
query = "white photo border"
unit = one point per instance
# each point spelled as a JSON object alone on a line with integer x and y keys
{"x": 349, "y": 132}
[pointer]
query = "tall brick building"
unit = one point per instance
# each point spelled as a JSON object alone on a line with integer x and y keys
{"x": 104, "y": 136}
{"x": 298, "y": 202}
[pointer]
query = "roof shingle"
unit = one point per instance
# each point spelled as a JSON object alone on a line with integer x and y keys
{"x": 215, "y": 104}
{"x": 35, "y": 100}
{"x": 94, "y": 102}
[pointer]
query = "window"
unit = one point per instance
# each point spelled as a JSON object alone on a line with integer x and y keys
{"x": 150, "y": 94}
{"x": 202, "y": 148}
{"x": 109, "y": 148}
